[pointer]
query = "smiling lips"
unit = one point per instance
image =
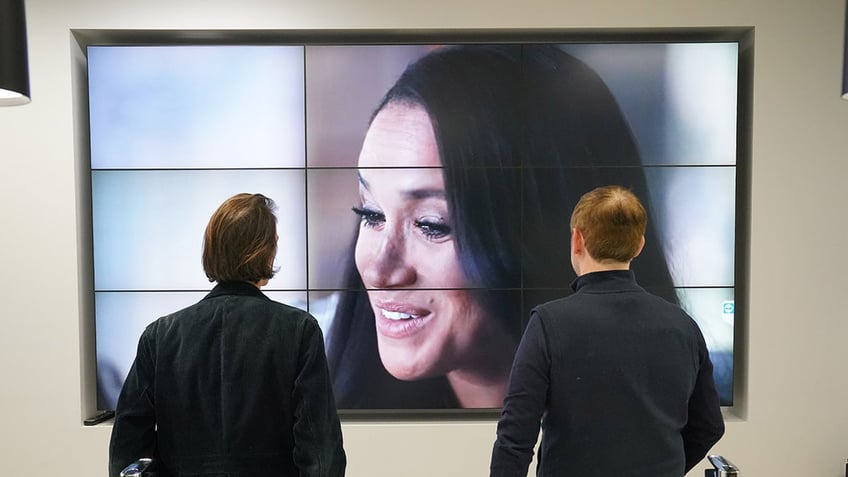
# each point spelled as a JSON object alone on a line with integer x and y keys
{"x": 397, "y": 315}
{"x": 395, "y": 320}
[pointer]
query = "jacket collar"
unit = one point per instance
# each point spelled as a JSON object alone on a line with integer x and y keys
{"x": 235, "y": 288}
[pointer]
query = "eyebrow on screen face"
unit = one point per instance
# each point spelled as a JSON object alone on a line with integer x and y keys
{"x": 412, "y": 194}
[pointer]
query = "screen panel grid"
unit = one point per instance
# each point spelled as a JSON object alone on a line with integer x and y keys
{"x": 175, "y": 130}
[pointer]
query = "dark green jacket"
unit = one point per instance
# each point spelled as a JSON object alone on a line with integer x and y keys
{"x": 234, "y": 385}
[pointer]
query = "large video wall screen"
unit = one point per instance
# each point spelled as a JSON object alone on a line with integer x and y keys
{"x": 419, "y": 237}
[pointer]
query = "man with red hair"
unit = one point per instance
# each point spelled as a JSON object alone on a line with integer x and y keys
{"x": 620, "y": 380}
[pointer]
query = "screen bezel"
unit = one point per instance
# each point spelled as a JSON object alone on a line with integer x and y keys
{"x": 81, "y": 39}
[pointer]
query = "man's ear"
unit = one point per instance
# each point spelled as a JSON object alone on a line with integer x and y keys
{"x": 641, "y": 246}
{"x": 577, "y": 244}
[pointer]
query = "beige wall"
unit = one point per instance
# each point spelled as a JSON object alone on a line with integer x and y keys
{"x": 795, "y": 396}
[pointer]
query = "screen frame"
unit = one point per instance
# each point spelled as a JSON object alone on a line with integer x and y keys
{"x": 81, "y": 39}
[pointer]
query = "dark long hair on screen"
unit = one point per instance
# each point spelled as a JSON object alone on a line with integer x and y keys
{"x": 523, "y": 132}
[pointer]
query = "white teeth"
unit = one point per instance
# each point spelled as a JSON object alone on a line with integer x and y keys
{"x": 395, "y": 315}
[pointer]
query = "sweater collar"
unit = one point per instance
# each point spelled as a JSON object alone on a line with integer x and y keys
{"x": 608, "y": 280}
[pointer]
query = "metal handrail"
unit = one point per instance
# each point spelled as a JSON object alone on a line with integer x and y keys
{"x": 137, "y": 468}
{"x": 721, "y": 467}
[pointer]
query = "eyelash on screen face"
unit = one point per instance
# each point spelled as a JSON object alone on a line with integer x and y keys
{"x": 433, "y": 229}
{"x": 369, "y": 217}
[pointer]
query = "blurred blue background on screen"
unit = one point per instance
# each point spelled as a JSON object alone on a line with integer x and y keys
{"x": 196, "y": 107}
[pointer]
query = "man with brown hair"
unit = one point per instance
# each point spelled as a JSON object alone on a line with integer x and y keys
{"x": 236, "y": 384}
{"x": 620, "y": 379}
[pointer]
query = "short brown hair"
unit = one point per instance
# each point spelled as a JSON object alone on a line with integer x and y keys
{"x": 612, "y": 221}
{"x": 240, "y": 241}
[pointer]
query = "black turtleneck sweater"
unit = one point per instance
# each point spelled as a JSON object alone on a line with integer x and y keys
{"x": 620, "y": 380}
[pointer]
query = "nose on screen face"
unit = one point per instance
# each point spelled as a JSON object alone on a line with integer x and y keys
{"x": 386, "y": 265}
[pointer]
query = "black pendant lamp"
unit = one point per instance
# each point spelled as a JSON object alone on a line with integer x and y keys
{"x": 845, "y": 57}
{"x": 14, "y": 68}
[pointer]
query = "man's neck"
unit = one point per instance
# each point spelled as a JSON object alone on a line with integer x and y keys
{"x": 591, "y": 265}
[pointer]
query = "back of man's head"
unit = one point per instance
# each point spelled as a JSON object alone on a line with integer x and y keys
{"x": 612, "y": 221}
{"x": 240, "y": 241}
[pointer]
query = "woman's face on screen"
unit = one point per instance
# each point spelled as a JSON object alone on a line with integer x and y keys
{"x": 427, "y": 323}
